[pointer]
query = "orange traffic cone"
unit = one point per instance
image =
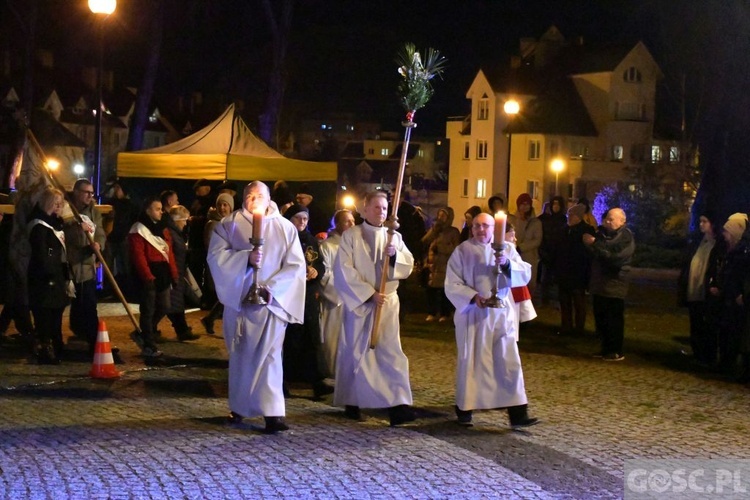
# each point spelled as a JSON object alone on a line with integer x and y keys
{"x": 104, "y": 363}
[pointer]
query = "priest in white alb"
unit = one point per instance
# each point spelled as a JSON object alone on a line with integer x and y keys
{"x": 378, "y": 377}
{"x": 332, "y": 309}
{"x": 253, "y": 333}
{"x": 489, "y": 374}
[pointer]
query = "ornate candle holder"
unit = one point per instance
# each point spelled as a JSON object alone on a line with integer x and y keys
{"x": 496, "y": 301}
{"x": 254, "y": 296}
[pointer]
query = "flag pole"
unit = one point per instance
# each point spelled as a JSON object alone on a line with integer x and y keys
{"x": 79, "y": 220}
{"x": 415, "y": 91}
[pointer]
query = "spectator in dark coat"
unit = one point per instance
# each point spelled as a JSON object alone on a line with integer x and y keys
{"x": 572, "y": 263}
{"x": 302, "y": 343}
{"x": 48, "y": 275}
{"x": 178, "y": 217}
{"x": 554, "y": 228}
{"x": 612, "y": 249}
{"x": 197, "y": 249}
{"x": 733, "y": 290}
{"x": 124, "y": 213}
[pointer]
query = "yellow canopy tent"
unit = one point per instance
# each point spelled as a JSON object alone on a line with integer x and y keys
{"x": 225, "y": 149}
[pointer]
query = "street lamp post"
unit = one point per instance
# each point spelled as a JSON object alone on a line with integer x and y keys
{"x": 102, "y": 8}
{"x": 511, "y": 108}
{"x": 557, "y": 166}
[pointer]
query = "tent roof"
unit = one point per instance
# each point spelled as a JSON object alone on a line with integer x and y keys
{"x": 224, "y": 149}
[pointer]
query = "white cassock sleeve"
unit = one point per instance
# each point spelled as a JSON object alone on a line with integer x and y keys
{"x": 282, "y": 269}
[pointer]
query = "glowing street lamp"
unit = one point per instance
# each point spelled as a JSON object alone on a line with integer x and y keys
{"x": 78, "y": 169}
{"x": 102, "y": 8}
{"x": 511, "y": 108}
{"x": 557, "y": 166}
{"x": 52, "y": 164}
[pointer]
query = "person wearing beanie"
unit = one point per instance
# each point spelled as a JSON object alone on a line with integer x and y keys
{"x": 495, "y": 203}
{"x": 528, "y": 234}
{"x": 612, "y": 249}
{"x": 301, "y": 355}
{"x": 254, "y": 334}
{"x": 224, "y": 206}
{"x": 468, "y": 219}
{"x": 730, "y": 288}
{"x": 572, "y": 264}
{"x": 318, "y": 221}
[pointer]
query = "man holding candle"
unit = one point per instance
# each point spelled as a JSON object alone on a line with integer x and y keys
{"x": 489, "y": 373}
{"x": 378, "y": 377}
{"x": 254, "y": 334}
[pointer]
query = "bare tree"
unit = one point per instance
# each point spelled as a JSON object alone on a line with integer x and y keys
{"x": 279, "y": 24}
{"x": 155, "y": 15}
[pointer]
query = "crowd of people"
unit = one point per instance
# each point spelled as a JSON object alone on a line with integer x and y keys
{"x": 299, "y": 303}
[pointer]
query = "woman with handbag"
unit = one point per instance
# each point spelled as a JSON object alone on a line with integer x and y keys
{"x": 48, "y": 275}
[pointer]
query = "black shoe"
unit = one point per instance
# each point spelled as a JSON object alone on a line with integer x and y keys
{"x": 321, "y": 389}
{"x": 46, "y": 356}
{"x": 526, "y": 422}
{"x": 274, "y": 425}
{"x": 401, "y": 414}
{"x": 187, "y": 335}
{"x": 352, "y": 412}
{"x": 464, "y": 417}
{"x": 208, "y": 324}
{"x": 234, "y": 418}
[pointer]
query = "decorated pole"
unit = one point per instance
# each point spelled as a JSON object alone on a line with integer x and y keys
{"x": 414, "y": 90}
{"x": 78, "y": 219}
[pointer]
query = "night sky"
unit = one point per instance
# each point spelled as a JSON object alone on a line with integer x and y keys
{"x": 341, "y": 55}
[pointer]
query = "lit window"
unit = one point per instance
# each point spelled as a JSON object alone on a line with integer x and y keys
{"x": 323, "y": 127}
{"x": 420, "y": 153}
{"x": 465, "y": 189}
{"x": 384, "y": 152}
{"x": 632, "y": 75}
{"x": 674, "y": 154}
{"x": 534, "y": 150}
{"x": 350, "y": 128}
{"x": 467, "y": 148}
{"x": 483, "y": 111}
{"x": 655, "y": 154}
{"x": 152, "y": 119}
{"x": 481, "y": 188}
{"x": 617, "y": 152}
{"x": 481, "y": 150}
{"x": 532, "y": 187}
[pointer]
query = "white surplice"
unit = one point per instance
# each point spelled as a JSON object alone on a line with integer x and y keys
{"x": 254, "y": 334}
{"x": 332, "y": 309}
{"x": 488, "y": 373}
{"x": 379, "y": 377}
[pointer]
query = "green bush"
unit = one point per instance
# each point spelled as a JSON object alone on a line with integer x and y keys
{"x": 650, "y": 256}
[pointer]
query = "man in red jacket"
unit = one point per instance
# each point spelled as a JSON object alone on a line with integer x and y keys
{"x": 154, "y": 263}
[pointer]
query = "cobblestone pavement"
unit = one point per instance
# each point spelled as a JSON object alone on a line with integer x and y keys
{"x": 158, "y": 431}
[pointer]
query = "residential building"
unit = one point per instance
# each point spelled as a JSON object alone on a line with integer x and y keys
{"x": 591, "y": 107}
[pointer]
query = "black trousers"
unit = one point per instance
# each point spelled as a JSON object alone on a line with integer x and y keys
{"x": 153, "y": 306}
{"x": 437, "y": 302}
{"x": 84, "y": 321}
{"x": 48, "y": 326}
{"x": 572, "y": 308}
{"x": 704, "y": 334}
{"x": 609, "y": 315}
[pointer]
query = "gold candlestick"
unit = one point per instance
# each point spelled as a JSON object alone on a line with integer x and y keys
{"x": 254, "y": 295}
{"x": 496, "y": 301}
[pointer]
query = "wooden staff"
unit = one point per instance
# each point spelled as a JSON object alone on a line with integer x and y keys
{"x": 78, "y": 219}
{"x": 392, "y": 225}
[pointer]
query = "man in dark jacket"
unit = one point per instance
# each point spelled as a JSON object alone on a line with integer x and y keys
{"x": 612, "y": 249}
{"x": 572, "y": 263}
